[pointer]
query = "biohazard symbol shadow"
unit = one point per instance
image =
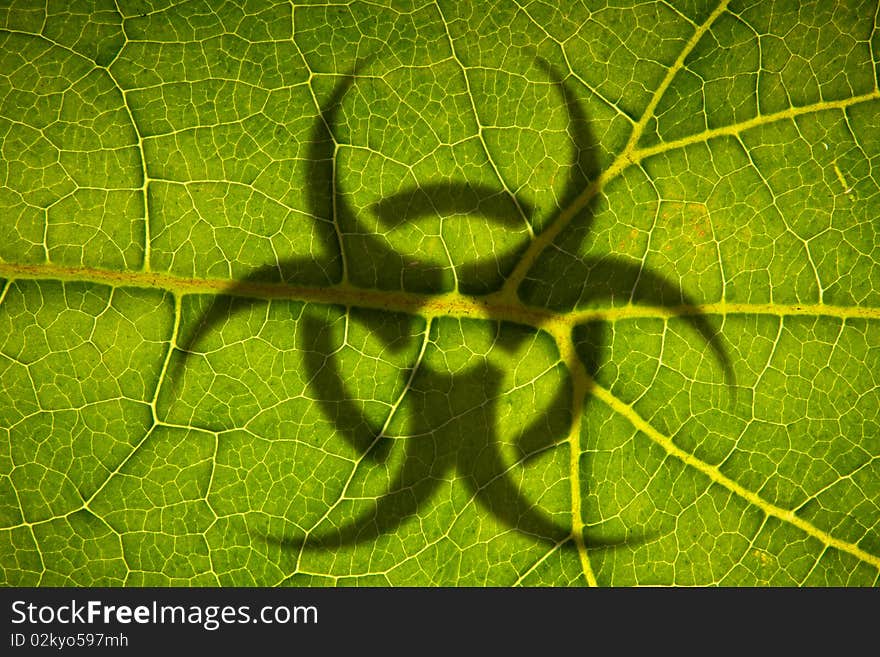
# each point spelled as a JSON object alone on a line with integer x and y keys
{"x": 440, "y": 446}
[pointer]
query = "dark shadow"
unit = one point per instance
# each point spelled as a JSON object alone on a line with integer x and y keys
{"x": 443, "y": 445}
{"x": 458, "y": 198}
{"x": 449, "y": 198}
{"x": 440, "y": 449}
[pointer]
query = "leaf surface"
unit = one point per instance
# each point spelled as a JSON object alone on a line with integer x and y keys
{"x": 439, "y": 294}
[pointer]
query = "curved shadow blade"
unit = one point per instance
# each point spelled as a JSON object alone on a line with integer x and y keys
{"x": 441, "y": 199}
{"x": 585, "y": 166}
{"x": 455, "y": 198}
{"x": 319, "y": 198}
{"x": 420, "y": 476}
{"x": 625, "y": 280}
{"x": 328, "y": 382}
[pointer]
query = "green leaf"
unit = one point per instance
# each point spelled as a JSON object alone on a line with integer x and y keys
{"x": 439, "y": 293}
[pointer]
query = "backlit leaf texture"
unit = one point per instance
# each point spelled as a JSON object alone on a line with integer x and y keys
{"x": 451, "y": 293}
